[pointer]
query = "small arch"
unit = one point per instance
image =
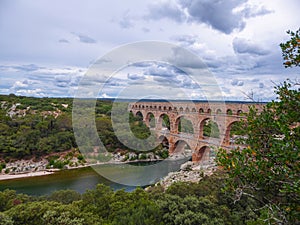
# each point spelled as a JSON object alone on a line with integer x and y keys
{"x": 150, "y": 120}
{"x": 146, "y": 107}
{"x": 193, "y": 110}
{"x": 201, "y": 110}
{"x": 150, "y": 106}
{"x": 164, "y": 121}
{"x": 219, "y": 111}
{"x": 180, "y": 109}
{"x": 209, "y": 111}
{"x": 155, "y": 107}
{"x": 159, "y": 107}
{"x": 187, "y": 110}
{"x": 229, "y": 112}
{"x": 170, "y": 108}
{"x": 239, "y": 112}
{"x": 143, "y": 106}
{"x": 165, "y": 108}
{"x": 139, "y": 115}
{"x": 139, "y": 106}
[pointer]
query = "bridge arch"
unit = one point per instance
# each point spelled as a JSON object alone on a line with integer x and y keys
{"x": 227, "y": 137}
{"x": 164, "y": 141}
{"x": 163, "y": 121}
{"x": 209, "y": 128}
{"x": 139, "y": 114}
{"x": 150, "y": 120}
{"x": 202, "y": 154}
{"x": 239, "y": 112}
{"x": 181, "y": 146}
{"x": 184, "y": 124}
{"x": 229, "y": 112}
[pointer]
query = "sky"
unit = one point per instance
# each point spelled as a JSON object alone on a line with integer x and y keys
{"x": 48, "y": 47}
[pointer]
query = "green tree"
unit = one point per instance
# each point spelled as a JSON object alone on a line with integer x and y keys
{"x": 291, "y": 49}
{"x": 268, "y": 168}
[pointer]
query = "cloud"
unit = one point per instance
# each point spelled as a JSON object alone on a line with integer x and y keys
{"x": 261, "y": 85}
{"x": 254, "y": 11}
{"x": 183, "y": 60}
{"x": 145, "y": 30}
{"x": 27, "y": 68}
{"x": 236, "y": 82}
{"x": 218, "y": 14}
{"x": 63, "y": 41}
{"x": 126, "y": 21}
{"x": 162, "y": 70}
{"x": 135, "y": 76}
{"x": 222, "y": 15}
{"x": 84, "y": 38}
{"x": 243, "y": 46}
{"x": 166, "y": 9}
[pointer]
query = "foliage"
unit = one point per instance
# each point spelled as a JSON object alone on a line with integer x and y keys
{"x": 182, "y": 203}
{"x": 291, "y": 49}
{"x": 268, "y": 168}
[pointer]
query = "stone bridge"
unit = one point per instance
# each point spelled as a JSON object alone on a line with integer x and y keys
{"x": 224, "y": 114}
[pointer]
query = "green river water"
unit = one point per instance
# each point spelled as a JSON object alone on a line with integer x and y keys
{"x": 126, "y": 176}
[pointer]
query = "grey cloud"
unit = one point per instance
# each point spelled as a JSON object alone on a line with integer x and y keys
{"x": 183, "y": 60}
{"x": 163, "y": 70}
{"x": 221, "y": 15}
{"x": 84, "y": 38}
{"x": 218, "y": 14}
{"x": 186, "y": 39}
{"x": 135, "y": 76}
{"x": 170, "y": 10}
{"x": 142, "y": 64}
{"x": 253, "y": 11}
{"x": 27, "y": 68}
{"x": 63, "y": 41}
{"x": 243, "y": 46}
{"x": 145, "y": 29}
{"x": 261, "y": 85}
{"x": 236, "y": 82}
{"x": 126, "y": 21}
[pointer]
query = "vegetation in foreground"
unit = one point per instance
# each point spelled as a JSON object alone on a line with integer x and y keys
{"x": 182, "y": 203}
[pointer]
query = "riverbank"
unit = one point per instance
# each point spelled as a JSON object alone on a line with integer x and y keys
{"x": 24, "y": 175}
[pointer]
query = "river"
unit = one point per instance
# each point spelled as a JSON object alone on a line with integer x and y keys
{"x": 82, "y": 179}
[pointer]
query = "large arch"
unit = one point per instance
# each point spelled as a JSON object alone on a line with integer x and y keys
{"x": 181, "y": 146}
{"x": 163, "y": 140}
{"x": 228, "y": 138}
{"x": 202, "y": 154}
{"x": 209, "y": 128}
{"x": 184, "y": 125}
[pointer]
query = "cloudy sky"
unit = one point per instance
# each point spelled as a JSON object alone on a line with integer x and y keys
{"x": 47, "y": 47}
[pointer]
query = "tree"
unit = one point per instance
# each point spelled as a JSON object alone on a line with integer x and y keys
{"x": 268, "y": 168}
{"x": 291, "y": 49}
